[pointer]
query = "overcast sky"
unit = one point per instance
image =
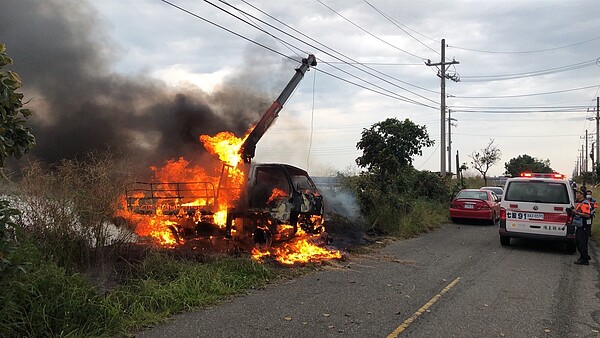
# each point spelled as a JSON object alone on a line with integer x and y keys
{"x": 529, "y": 70}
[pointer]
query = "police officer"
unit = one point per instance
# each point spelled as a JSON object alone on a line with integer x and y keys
{"x": 582, "y": 214}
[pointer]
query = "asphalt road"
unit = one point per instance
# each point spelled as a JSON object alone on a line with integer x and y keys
{"x": 455, "y": 282}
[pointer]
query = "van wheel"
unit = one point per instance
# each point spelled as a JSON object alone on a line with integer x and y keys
{"x": 571, "y": 248}
{"x": 505, "y": 240}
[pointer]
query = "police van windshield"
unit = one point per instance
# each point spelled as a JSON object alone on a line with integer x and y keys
{"x": 539, "y": 192}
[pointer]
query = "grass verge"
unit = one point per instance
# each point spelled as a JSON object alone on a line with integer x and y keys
{"x": 48, "y": 301}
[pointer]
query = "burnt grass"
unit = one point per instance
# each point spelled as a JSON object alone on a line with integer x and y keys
{"x": 119, "y": 263}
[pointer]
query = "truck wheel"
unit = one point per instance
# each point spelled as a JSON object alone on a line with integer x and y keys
{"x": 262, "y": 239}
{"x": 571, "y": 247}
{"x": 505, "y": 240}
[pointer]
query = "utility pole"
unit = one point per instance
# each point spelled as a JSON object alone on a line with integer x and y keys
{"x": 450, "y": 124}
{"x": 592, "y": 158}
{"x": 581, "y": 160}
{"x": 443, "y": 76}
{"x": 586, "y": 151}
{"x": 457, "y": 166}
{"x": 597, "y": 118}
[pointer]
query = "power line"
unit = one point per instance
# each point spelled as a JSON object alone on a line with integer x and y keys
{"x": 500, "y": 77}
{"x": 371, "y": 34}
{"x": 519, "y": 135}
{"x": 402, "y": 29}
{"x": 516, "y": 111}
{"x": 360, "y": 69}
{"x": 525, "y": 52}
{"x": 393, "y": 95}
{"x": 333, "y": 50}
{"x": 524, "y": 95}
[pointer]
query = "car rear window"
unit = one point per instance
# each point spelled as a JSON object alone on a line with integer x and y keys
{"x": 478, "y": 195}
{"x": 498, "y": 191}
{"x": 537, "y": 191}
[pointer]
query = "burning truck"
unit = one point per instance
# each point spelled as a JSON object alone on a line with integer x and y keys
{"x": 248, "y": 202}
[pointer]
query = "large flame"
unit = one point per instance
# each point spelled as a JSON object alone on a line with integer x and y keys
{"x": 302, "y": 249}
{"x": 167, "y": 207}
{"x": 225, "y": 145}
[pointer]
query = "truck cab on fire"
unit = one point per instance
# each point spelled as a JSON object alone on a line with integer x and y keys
{"x": 278, "y": 201}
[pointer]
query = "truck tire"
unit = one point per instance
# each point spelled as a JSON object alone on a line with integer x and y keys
{"x": 504, "y": 240}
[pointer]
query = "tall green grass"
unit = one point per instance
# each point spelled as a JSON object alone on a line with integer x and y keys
{"x": 410, "y": 220}
{"x": 48, "y": 300}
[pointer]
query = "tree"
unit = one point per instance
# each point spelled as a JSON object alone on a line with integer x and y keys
{"x": 484, "y": 160}
{"x": 389, "y": 146}
{"x": 15, "y": 138}
{"x": 526, "y": 163}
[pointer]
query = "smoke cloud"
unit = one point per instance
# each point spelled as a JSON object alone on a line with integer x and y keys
{"x": 79, "y": 104}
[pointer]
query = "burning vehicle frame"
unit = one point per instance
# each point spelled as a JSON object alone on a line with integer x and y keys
{"x": 273, "y": 202}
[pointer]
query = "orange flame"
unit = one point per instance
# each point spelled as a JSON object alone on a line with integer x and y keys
{"x": 298, "y": 251}
{"x": 225, "y": 145}
{"x": 276, "y": 193}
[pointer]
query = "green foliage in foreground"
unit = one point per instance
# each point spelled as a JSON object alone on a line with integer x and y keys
{"x": 49, "y": 301}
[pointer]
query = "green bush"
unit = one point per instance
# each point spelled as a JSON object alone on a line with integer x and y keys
{"x": 402, "y": 205}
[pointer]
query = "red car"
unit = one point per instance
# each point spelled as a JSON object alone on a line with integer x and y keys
{"x": 475, "y": 204}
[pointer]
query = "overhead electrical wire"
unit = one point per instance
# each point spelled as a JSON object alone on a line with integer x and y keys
{"x": 516, "y": 111}
{"x": 525, "y": 52}
{"x": 371, "y": 34}
{"x": 500, "y": 77}
{"x": 333, "y": 50}
{"x": 273, "y": 36}
{"x": 524, "y": 95}
{"x": 393, "y": 95}
{"x": 397, "y": 25}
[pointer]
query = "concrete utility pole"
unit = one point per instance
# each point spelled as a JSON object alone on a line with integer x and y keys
{"x": 597, "y": 132}
{"x": 450, "y": 124}
{"x": 457, "y": 166}
{"x": 586, "y": 150}
{"x": 443, "y": 76}
{"x": 592, "y": 157}
{"x": 581, "y": 159}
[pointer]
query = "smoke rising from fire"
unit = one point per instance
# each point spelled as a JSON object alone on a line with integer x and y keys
{"x": 64, "y": 57}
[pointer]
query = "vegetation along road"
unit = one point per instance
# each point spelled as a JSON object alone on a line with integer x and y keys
{"x": 454, "y": 282}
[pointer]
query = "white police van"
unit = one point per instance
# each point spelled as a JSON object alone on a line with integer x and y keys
{"x": 535, "y": 206}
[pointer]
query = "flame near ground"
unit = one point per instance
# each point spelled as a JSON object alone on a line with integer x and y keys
{"x": 303, "y": 248}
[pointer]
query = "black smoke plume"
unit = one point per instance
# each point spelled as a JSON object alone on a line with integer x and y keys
{"x": 64, "y": 58}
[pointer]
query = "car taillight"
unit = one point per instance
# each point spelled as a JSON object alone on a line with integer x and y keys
{"x": 484, "y": 206}
{"x": 503, "y": 214}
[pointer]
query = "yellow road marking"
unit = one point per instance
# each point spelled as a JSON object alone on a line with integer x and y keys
{"x": 420, "y": 311}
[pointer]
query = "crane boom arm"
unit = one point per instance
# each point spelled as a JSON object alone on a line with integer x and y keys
{"x": 249, "y": 146}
